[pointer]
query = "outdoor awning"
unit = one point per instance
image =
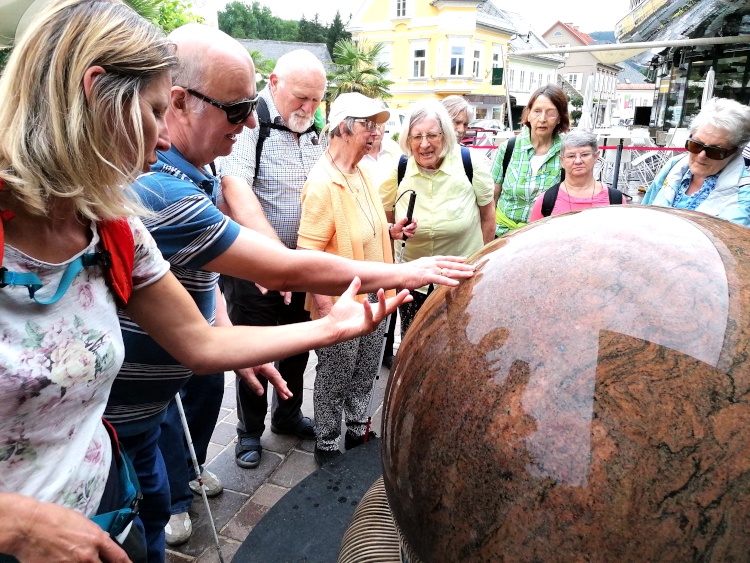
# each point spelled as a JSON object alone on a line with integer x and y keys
{"x": 613, "y": 53}
{"x": 15, "y": 15}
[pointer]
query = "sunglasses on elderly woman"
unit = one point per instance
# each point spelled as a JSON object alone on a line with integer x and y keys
{"x": 712, "y": 152}
{"x": 236, "y": 112}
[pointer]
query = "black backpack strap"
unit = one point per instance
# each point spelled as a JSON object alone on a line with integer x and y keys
{"x": 549, "y": 199}
{"x": 616, "y": 197}
{"x": 401, "y": 169}
{"x": 509, "y": 146}
{"x": 264, "y": 127}
{"x": 468, "y": 167}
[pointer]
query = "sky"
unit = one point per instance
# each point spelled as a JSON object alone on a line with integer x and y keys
{"x": 541, "y": 14}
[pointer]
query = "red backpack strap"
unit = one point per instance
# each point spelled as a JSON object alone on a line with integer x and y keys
{"x": 117, "y": 239}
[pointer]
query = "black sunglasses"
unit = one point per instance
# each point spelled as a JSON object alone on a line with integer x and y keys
{"x": 236, "y": 112}
{"x": 712, "y": 152}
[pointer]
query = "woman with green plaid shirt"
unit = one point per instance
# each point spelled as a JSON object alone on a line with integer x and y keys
{"x": 535, "y": 163}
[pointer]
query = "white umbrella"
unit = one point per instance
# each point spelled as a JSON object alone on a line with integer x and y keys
{"x": 586, "y": 121}
{"x": 15, "y": 16}
{"x": 708, "y": 87}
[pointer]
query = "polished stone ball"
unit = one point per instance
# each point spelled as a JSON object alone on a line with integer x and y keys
{"x": 585, "y": 397}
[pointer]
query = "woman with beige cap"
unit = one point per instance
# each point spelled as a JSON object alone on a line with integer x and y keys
{"x": 342, "y": 215}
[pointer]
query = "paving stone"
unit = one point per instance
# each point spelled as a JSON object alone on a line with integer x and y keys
{"x": 228, "y": 549}
{"x": 224, "y": 433}
{"x": 223, "y": 508}
{"x": 279, "y": 443}
{"x": 245, "y": 481}
{"x": 295, "y": 467}
{"x": 244, "y": 521}
{"x": 268, "y": 495}
{"x": 213, "y": 451}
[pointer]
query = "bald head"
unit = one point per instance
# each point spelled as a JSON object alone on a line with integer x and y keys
{"x": 206, "y": 54}
{"x": 214, "y": 74}
{"x": 297, "y": 62}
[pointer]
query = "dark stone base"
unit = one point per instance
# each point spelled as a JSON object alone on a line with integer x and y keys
{"x": 307, "y": 524}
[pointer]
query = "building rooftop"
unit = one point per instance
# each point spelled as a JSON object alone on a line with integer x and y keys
{"x": 273, "y": 50}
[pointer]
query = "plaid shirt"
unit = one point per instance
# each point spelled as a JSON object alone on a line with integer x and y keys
{"x": 284, "y": 166}
{"x": 520, "y": 188}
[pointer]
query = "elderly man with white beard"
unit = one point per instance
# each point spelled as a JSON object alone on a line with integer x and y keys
{"x": 266, "y": 190}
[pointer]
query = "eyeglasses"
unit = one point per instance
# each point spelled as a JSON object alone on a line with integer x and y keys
{"x": 431, "y": 137}
{"x": 236, "y": 112}
{"x": 574, "y": 157}
{"x": 712, "y": 152}
{"x": 369, "y": 124}
{"x": 551, "y": 113}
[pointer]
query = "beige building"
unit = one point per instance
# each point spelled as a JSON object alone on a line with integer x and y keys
{"x": 436, "y": 48}
{"x": 578, "y": 67}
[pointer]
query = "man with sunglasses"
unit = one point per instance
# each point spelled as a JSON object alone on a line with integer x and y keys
{"x": 712, "y": 176}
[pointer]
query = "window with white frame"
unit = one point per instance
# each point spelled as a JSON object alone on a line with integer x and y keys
{"x": 564, "y": 46}
{"x": 512, "y": 78}
{"x": 385, "y": 57}
{"x": 457, "y": 60}
{"x": 549, "y": 78}
{"x": 476, "y": 64}
{"x": 419, "y": 59}
{"x": 522, "y": 81}
{"x": 557, "y": 34}
{"x": 574, "y": 78}
{"x": 496, "y": 60}
{"x": 400, "y": 8}
{"x": 532, "y": 87}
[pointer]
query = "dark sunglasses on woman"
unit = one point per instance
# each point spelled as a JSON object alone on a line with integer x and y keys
{"x": 236, "y": 112}
{"x": 712, "y": 152}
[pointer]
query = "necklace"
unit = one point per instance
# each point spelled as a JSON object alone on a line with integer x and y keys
{"x": 571, "y": 196}
{"x": 369, "y": 216}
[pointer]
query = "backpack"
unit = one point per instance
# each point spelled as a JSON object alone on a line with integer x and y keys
{"x": 550, "y": 197}
{"x": 465, "y": 158}
{"x": 117, "y": 258}
{"x": 264, "y": 129}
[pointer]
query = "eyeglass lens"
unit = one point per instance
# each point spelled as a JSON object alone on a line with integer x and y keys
{"x": 714, "y": 153}
{"x": 429, "y": 136}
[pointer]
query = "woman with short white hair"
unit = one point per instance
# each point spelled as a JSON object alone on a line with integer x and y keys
{"x": 712, "y": 177}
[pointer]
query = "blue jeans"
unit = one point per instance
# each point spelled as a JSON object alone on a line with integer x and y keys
{"x": 143, "y": 450}
{"x": 201, "y": 399}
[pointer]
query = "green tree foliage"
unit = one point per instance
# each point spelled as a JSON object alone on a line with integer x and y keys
{"x": 357, "y": 69}
{"x": 4, "y": 54}
{"x": 311, "y": 31}
{"x": 167, "y": 14}
{"x": 336, "y": 32}
{"x": 263, "y": 66}
{"x": 255, "y": 22}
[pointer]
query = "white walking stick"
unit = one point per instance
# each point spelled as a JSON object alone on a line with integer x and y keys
{"x": 194, "y": 458}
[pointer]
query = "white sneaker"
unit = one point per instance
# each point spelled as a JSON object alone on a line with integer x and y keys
{"x": 179, "y": 529}
{"x": 211, "y": 483}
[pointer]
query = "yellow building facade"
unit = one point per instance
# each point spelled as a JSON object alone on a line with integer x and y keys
{"x": 436, "y": 48}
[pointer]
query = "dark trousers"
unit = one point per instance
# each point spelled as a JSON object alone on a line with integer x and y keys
{"x": 201, "y": 399}
{"x": 255, "y": 309}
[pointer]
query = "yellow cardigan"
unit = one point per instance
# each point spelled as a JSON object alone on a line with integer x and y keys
{"x": 330, "y": 222}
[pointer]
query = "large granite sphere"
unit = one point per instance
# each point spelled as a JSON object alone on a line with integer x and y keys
{"x": 585, "y": 397}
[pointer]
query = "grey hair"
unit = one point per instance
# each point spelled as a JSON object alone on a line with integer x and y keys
{"x": 456, "y": 105}
{"x": 298, "y": 62}
{"x": 730, "y": 116}
{"x": 348, "y": 129}
{"x": 578, "y": 138}
{"x": 426, "y": 110}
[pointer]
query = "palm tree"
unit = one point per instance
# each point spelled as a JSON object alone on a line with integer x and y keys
{"x": 357, "y": 69}
{"x": 263, "y": 67}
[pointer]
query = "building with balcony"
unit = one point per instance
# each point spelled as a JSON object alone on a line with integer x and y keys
{"x": 436, "y": 48}
{"x": 680, "y": 73}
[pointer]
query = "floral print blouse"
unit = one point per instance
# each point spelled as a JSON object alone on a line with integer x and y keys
{"x": 57, "y": 363}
